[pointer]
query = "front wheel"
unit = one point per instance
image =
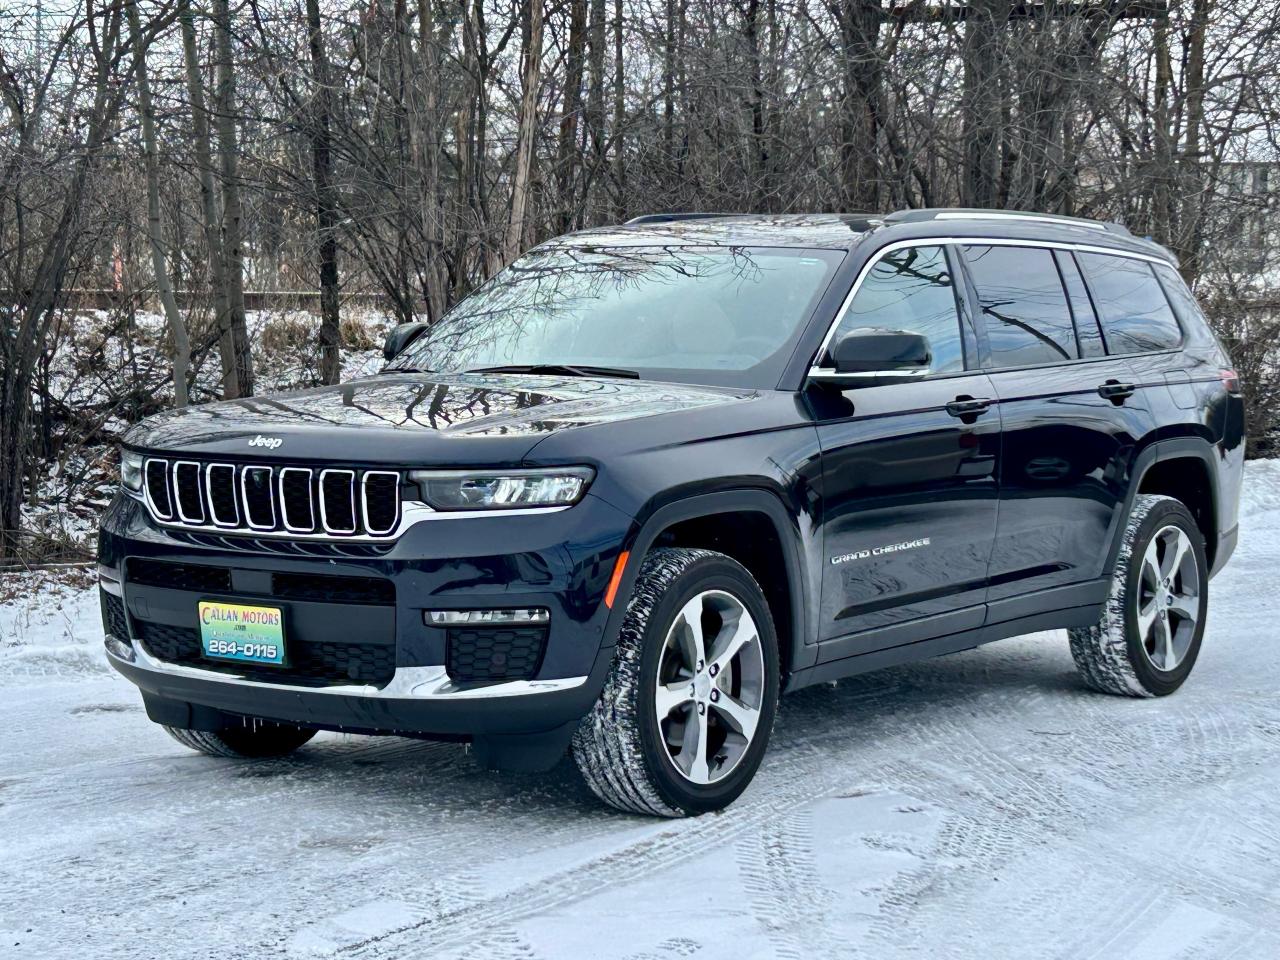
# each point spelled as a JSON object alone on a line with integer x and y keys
{"x": 686, "y": 712}
{"x": 1148, "y": 637}
{"x": 257, "y": 739}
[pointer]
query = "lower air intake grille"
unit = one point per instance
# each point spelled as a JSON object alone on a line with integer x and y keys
{"x": 178, "y": 576}
{"x": 114, "y": 621}
{"x": 495, "y": 653}
{"x": 331, "y": 589}
{"x": 317, "y": 664}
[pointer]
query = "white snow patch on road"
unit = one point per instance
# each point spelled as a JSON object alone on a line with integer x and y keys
{"x": 979, "y": 805}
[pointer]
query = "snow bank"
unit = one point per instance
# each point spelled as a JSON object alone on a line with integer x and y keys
{"x": 49, "y": 626}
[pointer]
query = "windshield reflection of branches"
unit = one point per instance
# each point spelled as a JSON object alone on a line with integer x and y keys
{"x": 561, "y": 287}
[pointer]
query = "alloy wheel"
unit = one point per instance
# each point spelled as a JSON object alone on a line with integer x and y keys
{"x": 1168, "y": 598}
{"x": 710, "y": 686}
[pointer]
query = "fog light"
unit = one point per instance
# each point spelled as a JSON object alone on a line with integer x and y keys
{"x": 454, "y": 618}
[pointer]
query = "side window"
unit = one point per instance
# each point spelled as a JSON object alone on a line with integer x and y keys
{"x": 1088, "y": 333}
{"x": 1185, "y": 307}
{"x": 1023, "y": 306}
{"x": 1135, "y": 314}
{"x": 912, "y": 290}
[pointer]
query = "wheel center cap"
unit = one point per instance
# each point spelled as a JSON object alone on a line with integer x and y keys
{"x": 702, "y": 686}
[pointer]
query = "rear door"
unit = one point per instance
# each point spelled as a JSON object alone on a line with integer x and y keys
{"x": 1070, "y": 415}
{"x": 909, "y": 470}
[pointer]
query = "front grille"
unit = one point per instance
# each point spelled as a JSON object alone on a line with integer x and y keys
{"x": 178, "y": 576}
{"x": 308, "y": 663}
{"x": 114, "y": 621}
{"x": 495, "y": 653}
{"x": 255, "y": 498}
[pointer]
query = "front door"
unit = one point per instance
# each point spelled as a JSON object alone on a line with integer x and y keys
{"x": 909, "y": 471}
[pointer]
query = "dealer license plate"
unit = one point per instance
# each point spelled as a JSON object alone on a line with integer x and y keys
{"x": 238, "y": 631}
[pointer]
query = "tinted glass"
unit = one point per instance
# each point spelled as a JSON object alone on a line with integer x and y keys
{"x": 1088, "y": 333}
{"x": 1023, "y": 305}
{"x": 1135, "y": 314}
{"x": 911, "y": 290}
{"x": 1184, "y": 304}
{"x": 720, "y": 315}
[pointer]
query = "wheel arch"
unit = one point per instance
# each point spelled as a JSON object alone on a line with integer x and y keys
{"x": 1182, "y": 468}
{"x": 732, "y": 522}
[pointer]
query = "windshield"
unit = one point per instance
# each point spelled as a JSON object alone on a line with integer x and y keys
{"x": 717, "y": 315}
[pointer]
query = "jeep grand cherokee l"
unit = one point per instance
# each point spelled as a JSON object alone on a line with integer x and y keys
{"x": 651, "y": 476}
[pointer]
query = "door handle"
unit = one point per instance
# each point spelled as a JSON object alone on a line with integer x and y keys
{"x": 968, "y": 408}
{"x": 1115, "y": 391}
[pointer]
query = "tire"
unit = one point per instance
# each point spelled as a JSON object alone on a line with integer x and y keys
{"x": 1149, "y": 653}
{"x": 626, "y": 753}
{"x": 257, "y": 739}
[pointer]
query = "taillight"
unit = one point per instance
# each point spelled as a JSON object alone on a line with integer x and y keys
{"x": 1231, "y": 380}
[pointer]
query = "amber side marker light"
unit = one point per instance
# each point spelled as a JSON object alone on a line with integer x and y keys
{"x": 619, "y": 565}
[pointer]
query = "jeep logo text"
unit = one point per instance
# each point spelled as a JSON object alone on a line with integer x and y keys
{"x": 269, "y": 442}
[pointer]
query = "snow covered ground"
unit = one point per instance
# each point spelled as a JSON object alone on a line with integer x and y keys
{"x": 981, "y": 805}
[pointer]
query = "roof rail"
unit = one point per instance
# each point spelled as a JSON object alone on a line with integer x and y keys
{"x": 674, "y": 217}
{"x": 964, "y": 213}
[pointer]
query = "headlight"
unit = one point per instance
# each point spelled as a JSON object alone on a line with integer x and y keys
{"x": 503, "y": 489}
{"x": 131, "y": 471}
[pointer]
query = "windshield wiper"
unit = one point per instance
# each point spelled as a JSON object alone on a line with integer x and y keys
{"x": 561, "y": 369}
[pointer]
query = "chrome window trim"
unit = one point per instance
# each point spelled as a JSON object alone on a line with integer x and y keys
{"x": 146, "y": 488}
{"x": 244, "y": 497}
{"x": 364, "y": 500}
{"x": 408, "y": 683}
{"x": 284, "y": 507}
{"x": 324, "y": 514}
{"x": 943, "y": 241}
{"x": 177, "y": 497}
{"x": 208, "y": 495}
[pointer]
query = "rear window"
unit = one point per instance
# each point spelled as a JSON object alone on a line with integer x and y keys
{"x": 1023, "y": 306}
{"x": 1184, "y": 304}
{"x": 1135, "y": 314}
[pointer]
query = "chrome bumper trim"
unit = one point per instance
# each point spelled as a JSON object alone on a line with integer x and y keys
{"x": 409, "y": 683}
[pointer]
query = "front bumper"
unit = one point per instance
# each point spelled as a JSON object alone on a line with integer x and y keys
{"x": 561, "y": 562}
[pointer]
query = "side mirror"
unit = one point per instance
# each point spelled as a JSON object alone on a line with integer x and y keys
{"x": 400, "y": 337}
{"x": 869, "y": 356}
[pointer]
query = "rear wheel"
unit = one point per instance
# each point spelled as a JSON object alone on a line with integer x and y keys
{"x": 1148, "y": 638}
{"x": 685, "y": 715}
{"x": 256, "y": 739}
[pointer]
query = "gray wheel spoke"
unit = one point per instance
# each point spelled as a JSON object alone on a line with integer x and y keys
{"x": 731, "y": 640}
{"x": 693, "y": 643}
{"x": 1146, "y": 617}
{"x": 741, "y": 717}
{"x": 1175, "y": 552}
{"x": 1186, "y": 607}
{"x": 693, "y": 748}
{"x": 1163, "y": 653}
{"x": 672, "y": 695}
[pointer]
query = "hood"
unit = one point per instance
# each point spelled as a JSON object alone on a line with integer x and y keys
{"x": 415, "y": 418}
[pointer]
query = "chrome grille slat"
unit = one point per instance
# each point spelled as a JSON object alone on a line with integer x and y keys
{"x": 249, "y": 475}
{"x": 156, "y": 476}
{"x": 290, "y": 523}
{"x": 336, "y": 503}
{"x": 219, "y": 487}
{"x": 187, "y": 492}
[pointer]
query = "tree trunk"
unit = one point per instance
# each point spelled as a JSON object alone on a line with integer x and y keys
{"x": 330, "y": 335}
{"x": 1191, "y": 226}
{"x": 619, "y": 114}
{"x": 860, "y": 169}
{"x": 232, "y": 208}
{"x": 982, "y": 102}
{"x": 532, "y": 62}
{"x": 203, "y": 145}
{"x": 155, "y": 228}
{"x": 568, "y": 152}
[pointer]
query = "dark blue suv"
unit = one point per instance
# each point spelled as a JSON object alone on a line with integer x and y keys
{"x": 650, "y": 477}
